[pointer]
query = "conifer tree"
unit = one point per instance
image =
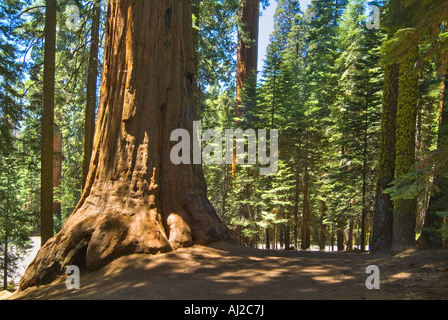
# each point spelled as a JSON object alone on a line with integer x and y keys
{"x": 14, "y": 222}
{"x": 321, "y": 89}
{"x": 48, "y": 92}
{"x": 358, "y": 116}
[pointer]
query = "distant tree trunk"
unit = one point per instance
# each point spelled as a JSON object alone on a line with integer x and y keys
{"x": 405, "y": 209}
{"x": 350, "y": 240}
{"x": 332, "y": 237}
{"x": 306, "y": 212}
{"x": 296, "y": 209}
{"x": 432, "y": 232}
{"x": 287, "y": 236}
{"x": 323, "y": 229}
{"x": 383, "y": 214}
{"x": 91, "y": 88}
{"x": 135, "y": 199}
{"x": 48, "y": 123}
{"x": 268, "y": 244}
{"x": 57, "y": 166}
{"x": 6, "y": 239}
{"x": 247, "y": 51}
{"x": 364, "y": 181}
{"x": 306, "y": 207}
{"x": 340, "y": 234}
{"x": 247, "y": 55}
{"x": 5, "y": 260}
{"x": 7, "y": 233}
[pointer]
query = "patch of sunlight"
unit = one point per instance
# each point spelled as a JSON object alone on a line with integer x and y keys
{"x": 332, "y": 279}
{"x": 316, "y": 269}
{"x": 255, "y": 259}
{"x": 406, "y": 253}
{"x": 328, "y": 279}
{"x": 402, "y": 275}
{"x": 247, "y": 277}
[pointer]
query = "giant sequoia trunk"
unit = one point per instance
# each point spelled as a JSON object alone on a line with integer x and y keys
{"x": 135, "y": 200}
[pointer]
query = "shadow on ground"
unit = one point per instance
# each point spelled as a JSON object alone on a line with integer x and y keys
{"x": 225, "y": 271}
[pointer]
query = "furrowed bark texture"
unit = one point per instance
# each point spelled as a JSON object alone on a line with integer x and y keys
{"x": 91, "y": 90}
{"x": 135, "y": 199}
{"x": 433, "y": 225}
{"x": 247, "y": 58}
{"x": 405, "y": 209}
{"x": 384, "y": 208}
{"x": 46, "y": 199}
{"x": 247, "y": 55}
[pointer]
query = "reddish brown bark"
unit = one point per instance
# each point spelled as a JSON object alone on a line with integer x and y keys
{"x": 247, "y": 54}
{"x": 135, "y": 200}
{"x": 91, "y": 90}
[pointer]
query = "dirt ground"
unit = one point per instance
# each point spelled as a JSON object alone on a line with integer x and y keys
{"x": 223, "y": 271}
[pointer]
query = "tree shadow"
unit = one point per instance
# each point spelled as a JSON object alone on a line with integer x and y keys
{"x": 227, "y": 272}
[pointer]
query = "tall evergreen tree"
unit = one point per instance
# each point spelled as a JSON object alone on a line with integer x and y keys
{"x": 360, "y": 87}
{"x": 405, "y": 209}
{"x": 321, "y": 88}
{"x": 14, "y": 222}
{"x": 10, "y": 71}
{"x": 48, "y": 122}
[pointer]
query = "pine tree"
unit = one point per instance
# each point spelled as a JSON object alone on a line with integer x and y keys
{"x": 358, "y": 116}
{"x": 48, "y": 122}
{"x": 10, "y": 71}
{"x": 14, "y": 223}
{"x": 277, "y": 108}
{"x": 321, "y": 95}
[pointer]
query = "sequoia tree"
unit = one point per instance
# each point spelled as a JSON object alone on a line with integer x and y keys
{"x": 247, "y": 57}
{"x": 135, "y": 199}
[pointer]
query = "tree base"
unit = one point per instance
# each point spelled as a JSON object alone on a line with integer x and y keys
{"x": 94, "y": 236}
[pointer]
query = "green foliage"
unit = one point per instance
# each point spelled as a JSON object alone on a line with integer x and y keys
{"x": 321, "y": 87}
{"x": 14, "y": 219}
{"x": 10, "y": 73}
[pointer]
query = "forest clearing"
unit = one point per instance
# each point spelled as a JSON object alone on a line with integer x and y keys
{"x": 224, "y": 271}
{"x": 156, "y": 157}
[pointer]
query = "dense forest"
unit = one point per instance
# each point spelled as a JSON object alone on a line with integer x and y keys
{"x": 356, "y": 90}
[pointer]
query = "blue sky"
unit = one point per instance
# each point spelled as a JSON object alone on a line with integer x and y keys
{"x": 267, "y": 26}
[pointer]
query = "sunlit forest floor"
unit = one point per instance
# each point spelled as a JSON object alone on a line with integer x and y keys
{"x": 225, "y": 271}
